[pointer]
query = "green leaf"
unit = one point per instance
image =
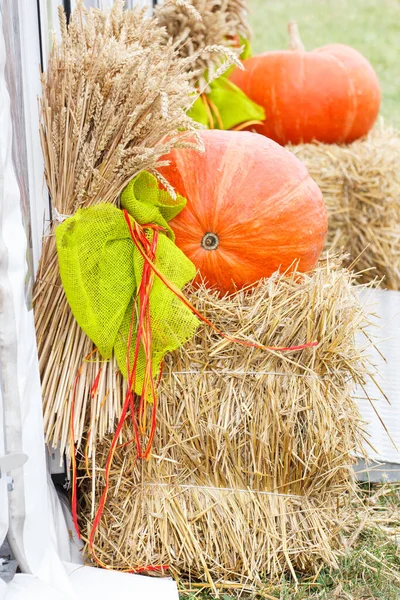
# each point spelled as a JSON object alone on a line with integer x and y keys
{"x": 198, "y": 113}
{"x": 146, "y": 203}
{"x": 247, "y": 52}
{"x": 233, "y": 105}
{"x": 95, "y": 255}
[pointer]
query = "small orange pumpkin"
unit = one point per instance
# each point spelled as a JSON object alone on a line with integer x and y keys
{"x": 252, "y": 209}
{"x": 330, "y": 94}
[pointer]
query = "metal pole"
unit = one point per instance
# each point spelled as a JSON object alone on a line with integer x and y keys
{"x": 67, "y": 8}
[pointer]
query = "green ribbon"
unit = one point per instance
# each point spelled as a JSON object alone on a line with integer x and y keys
{"x": 101, "y": 270}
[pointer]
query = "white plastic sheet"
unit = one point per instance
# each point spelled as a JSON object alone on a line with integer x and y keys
{"x": 385, "y": 333}
{"x": 97, "y": 584}
{"x": 29, "y": 531}
{"x": 27, "y": 587}
{"x": 91, "y": 584}
{"x": 3, "y": 480}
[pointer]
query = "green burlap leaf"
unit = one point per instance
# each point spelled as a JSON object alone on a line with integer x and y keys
{"x": 233, "y": 105}
{"x": 101, "y": 270}
{"x": 198, "y": 113}
{"x": 247, "y": 50}
{"x": 95, "y": 255}
{"x": 172, "y": 324}
{"x": 146, "y": 203}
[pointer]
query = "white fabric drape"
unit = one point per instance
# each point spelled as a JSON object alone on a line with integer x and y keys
{"x": 385, "y": 357}
{"x": 30, "y": 534}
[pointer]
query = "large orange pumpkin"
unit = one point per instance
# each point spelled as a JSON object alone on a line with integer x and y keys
{"x": 330, "y": 94}
{"x": 252, "y": 208}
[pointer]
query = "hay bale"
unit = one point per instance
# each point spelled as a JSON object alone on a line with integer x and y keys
{"x": 252, "y": 461}
{"x": 361, "y": 187}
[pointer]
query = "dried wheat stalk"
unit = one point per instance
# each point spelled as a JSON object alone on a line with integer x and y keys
{"x": 361, "y": 187}
{"x": 201, "y": 28}
{"x": 252, "y": 463}
{"x": 114, "y": 102}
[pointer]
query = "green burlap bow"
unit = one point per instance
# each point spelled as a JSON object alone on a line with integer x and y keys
{"x": 232, "y": 106}
{"x": 101, "y": 270}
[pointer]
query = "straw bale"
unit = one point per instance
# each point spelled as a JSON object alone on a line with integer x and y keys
{"x": 251, "y": 467}
{"x": 361, "y": 187}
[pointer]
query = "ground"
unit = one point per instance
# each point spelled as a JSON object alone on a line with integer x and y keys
{"x": 370, "y": 570}
{"x": 370, "y": 26}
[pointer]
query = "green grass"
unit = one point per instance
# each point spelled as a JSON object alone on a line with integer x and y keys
{"x": 369, "y": 571}
{"x": 370, "y": 26}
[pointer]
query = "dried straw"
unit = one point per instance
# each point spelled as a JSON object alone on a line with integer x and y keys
{"x": 361, "y": 187}
{"x": 114, "y": 101}
{"x": 252, "y": 461}
{"x": 204, "y": 30}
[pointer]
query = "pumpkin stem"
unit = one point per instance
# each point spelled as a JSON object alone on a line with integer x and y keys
{"x": 210, "y": 241}
{"x": 295, "y": 42}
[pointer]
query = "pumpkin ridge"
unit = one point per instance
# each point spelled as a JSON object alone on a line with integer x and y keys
{"x": 351, "y": 93}
{"x": 303, "y": 82}
{"x": 289, "y": 191}
{"x": 229, "y": 236}
{"x": 226, "y": 184}
{"x": 274, "y": 108}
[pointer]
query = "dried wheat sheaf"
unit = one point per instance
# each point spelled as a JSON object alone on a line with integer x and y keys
{"x": 115, "y": 97}
{"x": 205, "y": 31}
